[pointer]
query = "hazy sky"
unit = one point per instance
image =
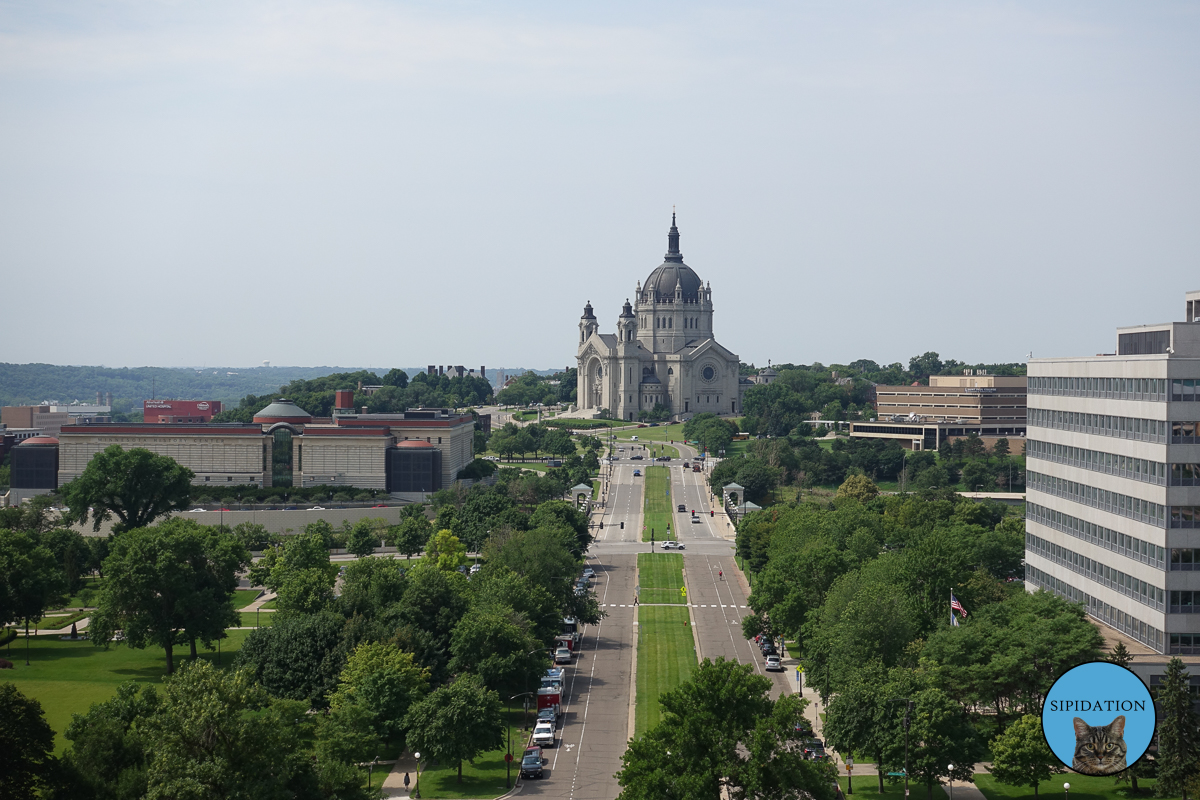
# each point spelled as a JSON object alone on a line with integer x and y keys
{"x": 389, "y": 183}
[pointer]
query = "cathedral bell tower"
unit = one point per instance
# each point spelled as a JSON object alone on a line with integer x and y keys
{"x": 627, "y": 324}
{"x": 587, "y": 323}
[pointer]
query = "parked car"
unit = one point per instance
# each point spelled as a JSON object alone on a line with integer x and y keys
{"x": 774, "y": 664}
{"x": 562, "y": 656}
{"x": 814, "y": 750}
{"x": 588, "y": 572}
{"x": 804, "y": 727}
{"x": 768, "y": 649}
{"x": 532, "y": 763}
{"x": 543, "y": 734}
{"x": 548, "y": 715}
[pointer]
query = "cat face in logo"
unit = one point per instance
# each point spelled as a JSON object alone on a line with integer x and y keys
{"x": 1099, "y": 750}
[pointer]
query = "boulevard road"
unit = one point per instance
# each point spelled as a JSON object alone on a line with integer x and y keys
{"x": 598, "y": 686}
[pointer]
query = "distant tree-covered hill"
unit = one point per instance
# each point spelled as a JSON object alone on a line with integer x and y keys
{"x": 28, "y": 384}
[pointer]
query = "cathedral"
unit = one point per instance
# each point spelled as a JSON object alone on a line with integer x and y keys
{"x": 663, "y": 351}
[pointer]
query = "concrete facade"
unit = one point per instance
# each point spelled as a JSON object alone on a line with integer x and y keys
{"x": 663, "y": 351}
{"x": 1113, "y": 483}
{"x": 350, "y": 451}
{"x": 232, "y": 454}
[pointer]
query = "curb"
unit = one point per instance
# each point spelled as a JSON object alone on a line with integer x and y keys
{"x": 631, "y": 725}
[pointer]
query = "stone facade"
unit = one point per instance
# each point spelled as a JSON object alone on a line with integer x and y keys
{"x": 663, "y": 351}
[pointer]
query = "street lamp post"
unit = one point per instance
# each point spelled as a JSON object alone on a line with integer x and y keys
{"x": 908, "y": 707}
{"x": 1066, "y": 791}
{"x": 950, "y": 776}
{"x": 417, "y": 786}
{"x": 508, "y": 760}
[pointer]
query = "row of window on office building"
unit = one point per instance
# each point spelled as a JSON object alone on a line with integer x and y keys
{"x": 1112, "y": 502}
{"x": 1115, "y": 502}
{"x": 1145, "y": 430}
{"x": 1178, "y": 390}
{"x": 1138, "y": 469}
{"x": 1115, "y": 388}
{"x": 1120, "y": 543}
{"x": 1128, "y": 585}
{"x": 1126, "y": 623}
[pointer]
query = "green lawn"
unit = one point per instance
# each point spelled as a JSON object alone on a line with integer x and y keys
{"x": 1083, "y": 787}
{"x": 244, "y": 597}
{"x": 666, "y": 657}
{"x": 658, "y": 508}
{"x": 257, "y": 619}
{"x": 661, "y": 576}
{"x": 663, "y": 433}
{"x": 483, "y": 778}
{"x": 868, "y": 786}
{"x": 68, "y": 677}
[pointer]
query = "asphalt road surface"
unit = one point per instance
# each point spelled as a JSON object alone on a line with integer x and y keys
{"x": 596, "y": 721}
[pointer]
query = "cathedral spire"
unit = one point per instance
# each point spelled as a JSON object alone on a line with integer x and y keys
{"x": 673, "y": 253}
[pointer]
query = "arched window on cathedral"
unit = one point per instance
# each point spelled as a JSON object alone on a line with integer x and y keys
{"x": 670, "y": 371}
{"x": 669, "y": 321}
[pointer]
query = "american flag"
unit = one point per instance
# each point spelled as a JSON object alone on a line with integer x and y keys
{"x": 957, "y": 606}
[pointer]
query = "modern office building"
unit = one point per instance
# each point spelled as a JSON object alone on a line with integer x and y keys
{"x": 45, "y": 418}
{"x": 921, "y": 417}
{"x": 1113, "y": 482}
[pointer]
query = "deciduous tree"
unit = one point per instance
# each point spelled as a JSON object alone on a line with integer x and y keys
{"x": 26, "y": 745}
{"x": 170, "y": 581}
{"x": 457, "y": 722}
{"x": 298, "y": 658}
{"x": 31, "y": 581}
{"x": 720, "y": 732}
{"x": 445, "y": 552}
{"x": 384, "y": 680}
{"x": 1021, "y": 757}
{"x": 137, "y": 486}
{"x": 858, "y": 487}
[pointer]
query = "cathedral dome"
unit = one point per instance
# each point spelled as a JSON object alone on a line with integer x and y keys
{"x": 663, "y": 280}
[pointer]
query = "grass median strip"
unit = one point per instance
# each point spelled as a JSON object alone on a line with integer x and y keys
{"x": 660, "y": 576}
{"x": 657, "y": 490}
{"x": 666, "y": 658}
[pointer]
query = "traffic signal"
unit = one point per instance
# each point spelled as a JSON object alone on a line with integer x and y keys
{"x": 622, "y": 526}
{"x": 712, "y": 513}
